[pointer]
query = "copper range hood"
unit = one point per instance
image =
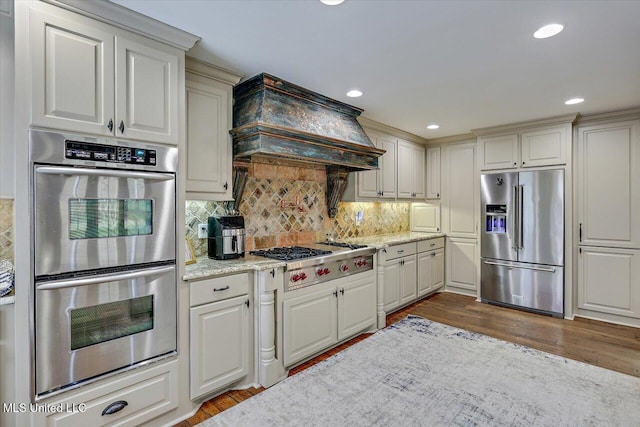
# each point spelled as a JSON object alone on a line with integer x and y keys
{"x": 277, "y": 120}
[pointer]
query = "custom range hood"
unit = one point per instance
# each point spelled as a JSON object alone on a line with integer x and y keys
{"x": 277, "y": 120}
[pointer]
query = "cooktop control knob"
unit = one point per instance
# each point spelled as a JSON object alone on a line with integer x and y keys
{"x": 303, "y": 275}
{"x": 295, "y": 277}
{"x": 319, "y": 272}
{"x": 326, "y": 271}
{"x": 344, "y": 267}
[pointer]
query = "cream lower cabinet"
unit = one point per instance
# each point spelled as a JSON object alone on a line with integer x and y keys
{"x": 462, "y": 257}
{"x": 142, "y": 395}
{"x": 609, "y": 280}
{"x": 219, "y": 333}
{"x": 94, "y": 78}
{"x": 430, "y": 271}
{"x": 317, "y": 317}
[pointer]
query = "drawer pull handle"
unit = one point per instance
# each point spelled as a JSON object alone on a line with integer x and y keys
{"x": 401, "y": 251}
{"x": 432, "y": 244}
{"x": 221, "y": 289}
{"x": 114, "y": 407}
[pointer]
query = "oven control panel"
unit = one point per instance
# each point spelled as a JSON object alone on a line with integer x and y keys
{"x": 327, "y": 271}
{"x": 109, "y": 153}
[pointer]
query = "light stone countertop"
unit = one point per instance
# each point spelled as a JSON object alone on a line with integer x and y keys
{"x": 207, "y": 267}
{"x": 384, "y": 240}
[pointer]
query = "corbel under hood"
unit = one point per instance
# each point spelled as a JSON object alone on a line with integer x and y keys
{"x": 275, "y": 119}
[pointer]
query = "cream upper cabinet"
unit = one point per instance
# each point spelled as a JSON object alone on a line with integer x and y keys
{"x": 380, "y": 183}
{"x": 425, "y": 217}
{"x": 92, "y": 78}
{"x": 7, "y": 89}
{"x": 433, "y": 173}
{"x": 609, "y": 184}
{"x": 411, "y": 170}
{"x": 460, "y": 203}
{"x": 544, "y": 146}
{"x": 499, "y": 152}
{"x": 209, "y": 153}
{"x": 609, "y": 281}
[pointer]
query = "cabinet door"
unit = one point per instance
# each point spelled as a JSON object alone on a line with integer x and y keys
{"x": 146, "y": 91}
{"x": 369, "y": 181}
{"x": 433, "y": 173}
{"x": 419, "y": 179}
{"x": 438, "y": 269}
{"x": 406, "y": 165}
{"x": 545, "y": 147}
{"x": 609, "y": 184}
{"x": 208, "y": 142}
{"x": 356, "y": 306}
{"x": 462, "y": 198}
{"x": 408, "y": 271}
{"x": 498, "y": 152}
{"x": 387, "y": 172}
{"x": 72, "y": 74}
{"x": 609, "y": 280}
{"x": 391, "y": 285}
{"x": 462, "y": 265}
{"x": 425, "y": 217}
{"x": 310, "y": 324}
{"x": 425, "y": 273}
{"x": 219, "y": 344}
{"x": 7, "y": 144}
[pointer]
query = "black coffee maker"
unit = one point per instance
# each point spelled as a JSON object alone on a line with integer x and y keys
{"x": 226, "y": 237}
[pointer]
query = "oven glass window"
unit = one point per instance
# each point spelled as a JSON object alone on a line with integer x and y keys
{"x": 97, "y": 218}
{"x": 105, "y": 322}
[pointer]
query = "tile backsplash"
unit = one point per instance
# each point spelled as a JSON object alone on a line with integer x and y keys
{"x": 6, "y": 229}
{"x": 285, "y": 205}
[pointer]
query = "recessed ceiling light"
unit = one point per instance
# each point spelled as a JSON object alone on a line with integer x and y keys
{"x": 433, "y": 126}
{"x": 548, "y": 31}
{"x": 574, "y": 101}
{"x": 332, "y": 2}
{"x": 354, "y": 93}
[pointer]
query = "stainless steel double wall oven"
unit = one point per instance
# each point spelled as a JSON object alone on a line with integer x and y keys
{"x": 104, "y": 228}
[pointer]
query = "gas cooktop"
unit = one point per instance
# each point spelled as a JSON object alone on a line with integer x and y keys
{"x": 290, "y": 253}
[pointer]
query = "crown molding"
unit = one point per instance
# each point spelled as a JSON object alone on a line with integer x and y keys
{"x": 381, "y": 127}
{"x": 130, "y": 20}
{"x": 515, "y": 127}
{"x": 464, "y": 137}
{"x": 205, "y": 69}
{"x": 626, "y": 114}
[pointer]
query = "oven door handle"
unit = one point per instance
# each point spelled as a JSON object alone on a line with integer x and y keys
{"x": 62, "y": 170}
{"x": 94, "y": 280}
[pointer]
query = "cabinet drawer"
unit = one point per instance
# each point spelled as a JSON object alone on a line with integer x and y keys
{"x": 147, "y": 394}
{"x": 219, "y": 288}
{"x": 430, "y": 244}
{"x": 398, "y": 251}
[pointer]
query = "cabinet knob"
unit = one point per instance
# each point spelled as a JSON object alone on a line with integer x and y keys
{"x": 515, "y": 164}
{"x": 247, "y": 303}
{"x": 110, "y": 125}
{"x": 523, "y": 163}
{"x": 342, "y": 291}
{"x": 226, "y": 185}
{"x": 121, "y": 127}
{"x": 437, "y": 194}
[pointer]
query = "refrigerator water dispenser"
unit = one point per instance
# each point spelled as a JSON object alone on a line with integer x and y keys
{"x": 496, "y": 219}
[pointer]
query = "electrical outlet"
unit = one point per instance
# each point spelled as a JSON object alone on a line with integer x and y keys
{"x": 203, "y": 231}
{"x": 359, "y": 217}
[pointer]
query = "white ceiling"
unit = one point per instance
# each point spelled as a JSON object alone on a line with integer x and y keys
{"x": 462, "y": 64}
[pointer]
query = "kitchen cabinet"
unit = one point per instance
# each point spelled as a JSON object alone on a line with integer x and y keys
{"x": 462, "y": 258}
{"x": 544, "y": 146}
{"x": 92, "y": 78}
{"x": 147, "y": 393}
{"x": 430, "y": 262}
{"x": 399, "y": 269}
{"x": 317, "y": 317}
{"x": 609, "y": 280}
{"x": 7, "y": 83}
{"x": 433, "y": 173}
{"x": 609, "y": 184}
{"x": 376, "y": 184}
{"x": 209, "y": 92}
{"x": 461, "y": 200}
{"x": 411, "y": 174}
{"x": 425, "y": 217}
{"x": 219, "y": 333}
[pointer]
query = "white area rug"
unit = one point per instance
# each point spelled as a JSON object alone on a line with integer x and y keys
{"x": 422, "y": 373}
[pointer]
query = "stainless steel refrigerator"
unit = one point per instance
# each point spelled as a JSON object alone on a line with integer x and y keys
{"x": 522, "y": 240}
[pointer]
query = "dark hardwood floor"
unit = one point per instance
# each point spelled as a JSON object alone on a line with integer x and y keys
{"x": 597, "y": 343}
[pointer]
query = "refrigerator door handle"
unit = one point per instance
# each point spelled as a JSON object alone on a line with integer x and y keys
{"x": 524, "y": 267}
{"x": 515, "y": 218}
{"x": 520, "y": 221}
